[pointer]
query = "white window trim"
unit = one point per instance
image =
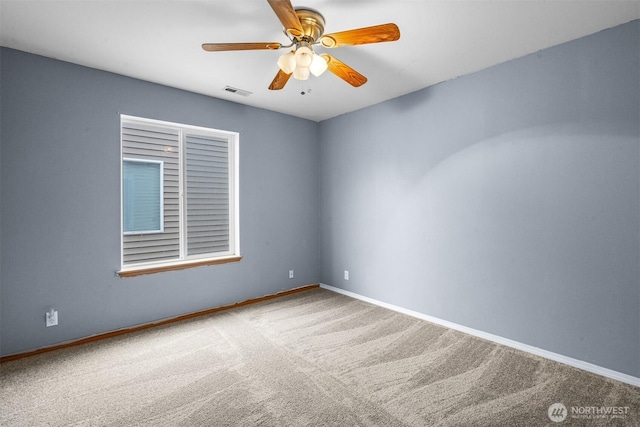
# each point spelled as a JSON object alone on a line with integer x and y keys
{"x": 233, "y": 254}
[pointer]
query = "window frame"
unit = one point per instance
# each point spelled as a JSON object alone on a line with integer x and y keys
{"x": 183, "y": 260}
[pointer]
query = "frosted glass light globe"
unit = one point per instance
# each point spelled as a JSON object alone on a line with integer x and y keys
{"x": 287, "y": 62}
{"x": 301, "y": 73}
{"x": 304, "y": 56}
{"x": 318, "y": 65}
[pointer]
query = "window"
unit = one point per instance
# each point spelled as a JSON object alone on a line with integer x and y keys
{"x": 179, "y": 196}
{"x": 142, "y": 196}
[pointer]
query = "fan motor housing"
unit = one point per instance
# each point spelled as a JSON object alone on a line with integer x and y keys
{"x": 312, "y": 23}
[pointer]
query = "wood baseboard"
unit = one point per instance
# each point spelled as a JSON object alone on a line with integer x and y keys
{"x": 163, "y": 322}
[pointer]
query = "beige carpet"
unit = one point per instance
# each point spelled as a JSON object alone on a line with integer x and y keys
{"x": 314, "y": 358}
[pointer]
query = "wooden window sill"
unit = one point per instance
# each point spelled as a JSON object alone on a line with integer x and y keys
{"x": 177, "y": 266}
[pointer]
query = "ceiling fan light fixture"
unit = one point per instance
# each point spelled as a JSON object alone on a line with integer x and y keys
{"x": 318, "y": 65}
{"x": 287, "y": 62}
{"x": 305, "y": 27}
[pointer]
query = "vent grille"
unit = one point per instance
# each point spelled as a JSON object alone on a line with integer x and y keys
{"x": 237, "y": 91}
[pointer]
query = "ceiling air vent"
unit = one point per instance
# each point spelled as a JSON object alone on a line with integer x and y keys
{"x": 237, "y": 91}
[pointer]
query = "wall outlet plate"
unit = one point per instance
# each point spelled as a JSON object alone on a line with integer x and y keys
{"x": 51, "y": 318}
{"x": 346, "y": 275}
{"x": 290, "y": 274}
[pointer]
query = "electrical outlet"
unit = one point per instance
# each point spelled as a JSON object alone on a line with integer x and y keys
{"x": 346, "y": 275}
{"x": 290, "y": 274}
{"x": 51, "y": 318}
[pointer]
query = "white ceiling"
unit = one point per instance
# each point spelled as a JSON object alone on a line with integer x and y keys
{"x": 159, "y": 41}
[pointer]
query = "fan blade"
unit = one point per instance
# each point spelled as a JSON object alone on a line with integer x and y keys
{"x": 343, "y": 71}
{"x": 287, "y": 15}
{"x": 280, "y": 80}
{"x": 375, "y": 34}
{"x": 221, "y": 47}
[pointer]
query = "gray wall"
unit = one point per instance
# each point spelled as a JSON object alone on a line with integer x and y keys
{"x": 60, "y": 195}
{"x": 507, "y": 201}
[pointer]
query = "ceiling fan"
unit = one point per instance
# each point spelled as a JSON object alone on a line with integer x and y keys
{"x": 305, "y": 28}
